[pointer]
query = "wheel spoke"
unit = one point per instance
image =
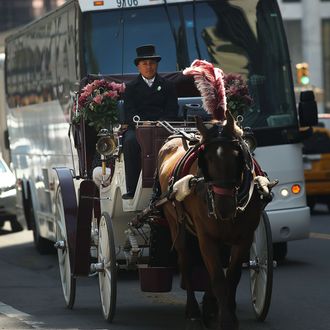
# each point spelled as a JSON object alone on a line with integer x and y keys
{"x": 107, "y": 278}
{"x": 261, "y": 276}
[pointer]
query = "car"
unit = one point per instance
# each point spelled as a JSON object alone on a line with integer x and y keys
{"x": 324, "y": 120}
{"x": 8, "y": 197}
{"x": 316, "y": 156}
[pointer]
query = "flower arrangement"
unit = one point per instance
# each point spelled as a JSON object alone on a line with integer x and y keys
{"x": 237, "y": 94}
{"x": 98, "y": 102}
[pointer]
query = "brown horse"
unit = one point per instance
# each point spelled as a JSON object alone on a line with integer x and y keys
{"x": 223, "y": 209}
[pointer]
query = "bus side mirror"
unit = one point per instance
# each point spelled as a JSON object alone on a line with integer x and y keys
{"x": 307, "y": 109}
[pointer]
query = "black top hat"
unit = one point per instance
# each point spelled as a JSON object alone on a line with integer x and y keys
{"x": 146, "y": 52}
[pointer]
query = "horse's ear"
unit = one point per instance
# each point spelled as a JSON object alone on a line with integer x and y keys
{"x": 229, "y": 128}
{"x": 230, "y": 119}
{"x": 201, "y": 127}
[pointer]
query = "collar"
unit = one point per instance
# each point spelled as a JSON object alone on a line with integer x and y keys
{"x": 149, "y": 82}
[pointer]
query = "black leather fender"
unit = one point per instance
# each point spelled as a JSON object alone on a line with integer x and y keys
{"x": 70, "y": 206}
{"x": 77, "y": 219}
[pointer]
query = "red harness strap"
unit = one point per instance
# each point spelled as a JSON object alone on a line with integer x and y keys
{"x": 184, "y": 164}
{"x": 223, "y": 191}
{"x": 257, "y": 168}
{"x": 188, "y": 163}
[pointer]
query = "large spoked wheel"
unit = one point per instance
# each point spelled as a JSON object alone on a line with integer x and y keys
{"x": 63, "y": 253}
{"x": 108, "y": 276}
{"x": 261, "y": 268}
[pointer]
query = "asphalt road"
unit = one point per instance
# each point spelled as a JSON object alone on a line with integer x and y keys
{"x": 31, "y": 296}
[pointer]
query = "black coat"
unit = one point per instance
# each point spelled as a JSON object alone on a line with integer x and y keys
{"x": 158, "y": 102}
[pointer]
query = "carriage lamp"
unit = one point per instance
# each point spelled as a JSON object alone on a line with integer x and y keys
{"x": 106, "y": 144}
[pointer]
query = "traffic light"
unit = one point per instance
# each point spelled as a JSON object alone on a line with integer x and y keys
{"x": 302, "y": 73}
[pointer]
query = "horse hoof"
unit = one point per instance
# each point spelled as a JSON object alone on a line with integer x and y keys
{"x": 194, "y": 324}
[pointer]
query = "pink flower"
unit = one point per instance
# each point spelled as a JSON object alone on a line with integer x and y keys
{"x": 98, "y": 99}
{"x": 88, "y": 89}
{"x": 112, "y": 94}
{"x": 117, "y": 87}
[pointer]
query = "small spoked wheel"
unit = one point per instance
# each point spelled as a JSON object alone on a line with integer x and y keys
{"x": 108, "y": 275}
{"x": 261, "y": 268}
{"x": 63, "y": 253}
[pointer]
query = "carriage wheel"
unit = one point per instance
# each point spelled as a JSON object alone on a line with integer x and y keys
{"x": 68, "y": 281}
{"x": 261, "y": 268}
{"x": 108, "y": 276}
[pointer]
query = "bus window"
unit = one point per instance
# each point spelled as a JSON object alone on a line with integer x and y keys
{"x": 244, "y": 37}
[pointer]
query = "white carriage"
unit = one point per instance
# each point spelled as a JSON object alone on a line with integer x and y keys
{"x": 98, "y": 232}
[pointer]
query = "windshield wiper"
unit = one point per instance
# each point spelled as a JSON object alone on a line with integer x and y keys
{"x": 179, "y": 40}
{"x": 195, "y": 31}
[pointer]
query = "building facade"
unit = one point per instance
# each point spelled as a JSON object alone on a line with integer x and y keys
{"x": 19, "y": 12}
{"x": 307, "y": 24}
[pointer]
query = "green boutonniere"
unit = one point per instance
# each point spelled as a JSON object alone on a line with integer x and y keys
{"x": 159, "y": 88}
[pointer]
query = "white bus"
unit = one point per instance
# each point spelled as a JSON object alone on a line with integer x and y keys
{"x": 3, "y": 126}
{"x": 46, "y": 60}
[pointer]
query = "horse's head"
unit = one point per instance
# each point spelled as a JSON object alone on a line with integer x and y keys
{"x": 222, "y": 161}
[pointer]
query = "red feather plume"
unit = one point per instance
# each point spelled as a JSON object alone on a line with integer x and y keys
{"x": 210, "y": 83}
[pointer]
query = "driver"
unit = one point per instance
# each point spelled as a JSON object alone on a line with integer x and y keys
{"x": 151, "y": 97}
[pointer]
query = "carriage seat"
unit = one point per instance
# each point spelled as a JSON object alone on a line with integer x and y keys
{"x": 189, "y": 99}
{"x": 150, "y": 138}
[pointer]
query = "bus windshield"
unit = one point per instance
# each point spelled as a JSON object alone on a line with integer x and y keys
{"x": 244, "y": 37}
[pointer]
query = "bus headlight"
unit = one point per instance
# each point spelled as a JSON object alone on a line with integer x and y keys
{"x": 284, "y": 192}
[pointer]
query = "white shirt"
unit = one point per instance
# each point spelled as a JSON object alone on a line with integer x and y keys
{"x": 149, "y": 82}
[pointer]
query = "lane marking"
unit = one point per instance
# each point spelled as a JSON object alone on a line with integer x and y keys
{"x": 21, "y": 316}
{"x": 319, "y": 235}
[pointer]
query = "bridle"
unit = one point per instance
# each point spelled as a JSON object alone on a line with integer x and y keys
{"x": 241, "y": 192}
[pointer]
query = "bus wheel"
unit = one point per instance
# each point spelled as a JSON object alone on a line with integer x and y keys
{"x": 15, "y": 226}
{"x": 43, "y": 245}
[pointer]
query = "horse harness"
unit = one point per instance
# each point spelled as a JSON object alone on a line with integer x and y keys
{"x": 202, "y": 181}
